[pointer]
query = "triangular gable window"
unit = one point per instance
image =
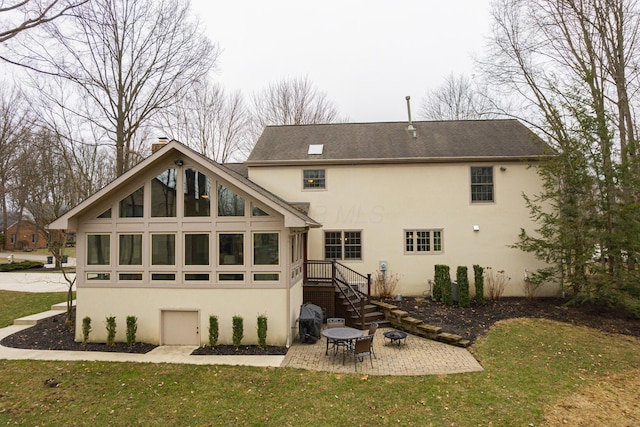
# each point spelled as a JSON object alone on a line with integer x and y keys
{"x": 106, "y": 214}
{"x": 256, "y": 211}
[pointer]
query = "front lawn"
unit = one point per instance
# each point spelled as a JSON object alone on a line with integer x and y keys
{"x": 14, "y": 305}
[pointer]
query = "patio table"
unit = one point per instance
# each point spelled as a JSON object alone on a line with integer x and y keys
{"x": 340, "y": 335}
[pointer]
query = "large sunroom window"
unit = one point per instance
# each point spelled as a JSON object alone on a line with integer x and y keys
{"x": 130, "y": 249}
{"x": 231, "y": 248}
{"x": 265, "y": 249}
{"x": 98, "y": 249}
{"x": 197, "y": 193}
{"x": 196, "y": 249}
{"x": 163, "y": 194}
{"x": 163, "y": 249}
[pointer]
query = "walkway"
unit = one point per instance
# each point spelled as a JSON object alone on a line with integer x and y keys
{"x": 418, "y": 356}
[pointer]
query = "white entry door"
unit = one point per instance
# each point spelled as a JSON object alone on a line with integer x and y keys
{"x": 180, "y": 328}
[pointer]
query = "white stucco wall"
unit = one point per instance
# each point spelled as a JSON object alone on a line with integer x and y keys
{"x": 146, "y": 305}
{"x": 383, "y": 200}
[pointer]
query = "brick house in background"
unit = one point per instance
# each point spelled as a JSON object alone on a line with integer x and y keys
{"x": 23, "y": 235}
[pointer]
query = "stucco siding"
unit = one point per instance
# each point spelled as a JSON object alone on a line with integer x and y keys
{"x": 98, "y": 303}
{"x": 382, "y": 201}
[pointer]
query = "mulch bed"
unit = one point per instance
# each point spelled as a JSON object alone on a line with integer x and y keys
{"x": 474, "y": 321}
{"x": 52, "y": 334}
{"x": 470, "y": 323}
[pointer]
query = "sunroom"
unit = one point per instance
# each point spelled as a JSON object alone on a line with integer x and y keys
{"x": 181, "y": 233}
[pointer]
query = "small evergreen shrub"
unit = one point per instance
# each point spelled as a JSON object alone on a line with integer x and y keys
{"x": 214, "y": 330}
{"x": 443, "y": 283}
{"x": 111, "y": 330}
{"x": 462, "y": 278}
{"x": 86, "y": 330}
{"x": 478, "y": 281}
{"x": 132, "y": 328}
{"x": 436, "y": 293}
{"x": 238, "y": 331}
{"x": 262, "y": 331}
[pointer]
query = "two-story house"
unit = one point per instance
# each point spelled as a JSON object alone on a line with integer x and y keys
{"x": 179, "y": 238}
{"x": 407, "y": 196}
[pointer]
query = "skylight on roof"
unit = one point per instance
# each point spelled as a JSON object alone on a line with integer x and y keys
{"x": 315, "y": 148}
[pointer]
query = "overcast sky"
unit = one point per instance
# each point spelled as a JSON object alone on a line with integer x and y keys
{"x": 367, "y": 55}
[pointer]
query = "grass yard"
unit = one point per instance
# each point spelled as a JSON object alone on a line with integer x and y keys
{"x": 14, "y": 305}
{"x": 533, "y": 369}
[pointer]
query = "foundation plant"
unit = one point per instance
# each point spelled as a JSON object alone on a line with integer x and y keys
{"x": 385, "y": 284}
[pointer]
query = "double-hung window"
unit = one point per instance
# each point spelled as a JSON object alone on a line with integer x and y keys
{"x": 343, "y": 245}
{"x": 422, "y": 241}
{"x": 481, "y": 184}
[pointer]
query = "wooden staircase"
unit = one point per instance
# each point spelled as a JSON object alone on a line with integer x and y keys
{"x": 367, "y": 312}
{"x": 351, "y": 297}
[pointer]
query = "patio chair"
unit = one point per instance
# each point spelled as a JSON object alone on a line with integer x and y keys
{"x": 373, "y": 327}
{"x": 360, "y": 349}
{"x": 335, "y": 322}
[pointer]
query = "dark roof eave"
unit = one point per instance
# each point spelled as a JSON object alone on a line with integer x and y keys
{"x": 398, "y": 160}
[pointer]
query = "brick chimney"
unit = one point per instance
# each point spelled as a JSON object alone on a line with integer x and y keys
{"x": 162, "y": 141}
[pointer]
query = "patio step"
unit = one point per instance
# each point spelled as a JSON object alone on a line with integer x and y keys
{"x": 34, "y": 319}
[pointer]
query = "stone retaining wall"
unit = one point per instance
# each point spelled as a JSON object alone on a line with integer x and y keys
{"x": 401, "y": 320}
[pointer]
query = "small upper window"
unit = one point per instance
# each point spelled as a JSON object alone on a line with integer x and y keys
{"x": 105, "y": 214}
{"x": 256, "y": 211}
{"x": 481, "y": 184}
{"x": 229, "y": 203}
{"x": 132, "y": 206}
{"x": 313, "y": 178}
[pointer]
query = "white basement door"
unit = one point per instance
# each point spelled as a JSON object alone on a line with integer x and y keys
{"x": 180, "y": 328}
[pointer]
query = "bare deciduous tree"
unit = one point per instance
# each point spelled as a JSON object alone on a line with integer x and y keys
{"x": 14, "y": 130}
{"x": 210, "y": 121}
{"x": 293, "y": 101}
{"x": 575, "y": 64}
{"x": 456, "y": 99}
{"x": 21, "y": 15}
{"x": 126, "y": 59}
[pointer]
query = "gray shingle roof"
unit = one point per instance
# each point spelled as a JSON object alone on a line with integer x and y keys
{"x": 436, "y": 141}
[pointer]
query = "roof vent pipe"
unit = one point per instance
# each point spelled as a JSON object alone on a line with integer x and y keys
{"x": 411, "y": 129}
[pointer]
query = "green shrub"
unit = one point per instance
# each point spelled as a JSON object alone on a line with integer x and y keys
{"x": 132, "y": 328}
{"x": 111, "y": 330}
{"x": 213, "y": 330}
{"x": 443, "y": 283}
{"x": 21, "y": 265}
{"x": 86, "y": 330}
{"x": 437, "y": 283}
{"x": 478, "y": 281}
{"x": 238, "y": 331}
{"x": 262, "y": 331}
{"x": 462, "y": 278}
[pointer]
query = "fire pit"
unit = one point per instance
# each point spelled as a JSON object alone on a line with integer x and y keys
{"x": 398, "y": 337}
